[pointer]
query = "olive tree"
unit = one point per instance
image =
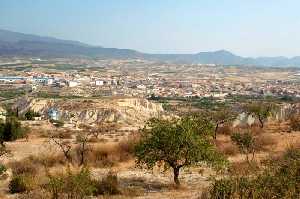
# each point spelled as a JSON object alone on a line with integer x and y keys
{"x": 176, "y": 143}
{"x": 261, "y": 111}
{"x": 245, "y": 142}
{"x": 221, "y": 117}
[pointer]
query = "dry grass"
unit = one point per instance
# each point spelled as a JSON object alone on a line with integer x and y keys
{"x": 228, "y": 149}
{"x": 103, "y": 156}
{"x": 111, "y": 154}
{"x": 24, "y": 167}
{"x": 64, "y": 134}
{"x": 264, "y": 142}
{"x": 256, "y": 130}
{"x": 244, "y": 168}
{"x": 48, "y": 160}
{"x": 225, "y": 130}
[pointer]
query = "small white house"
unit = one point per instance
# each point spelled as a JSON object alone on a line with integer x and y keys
{"x": 72, "y": 83}
{"x": 141, "y": 86}
{"x": 99, "y": 82}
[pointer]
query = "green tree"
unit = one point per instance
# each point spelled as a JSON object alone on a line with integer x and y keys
{"x": 11, "y": 130}
{"x": 261, "y": 111}
{"x": 245, "y": 142}
{"x": 30, "y": 115}
{"x": 176, "y": 143}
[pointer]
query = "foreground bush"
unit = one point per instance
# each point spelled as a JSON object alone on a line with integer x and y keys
{"x": 73, "y": 185}
{"x": 11, "y": 130}
{"x": 280, "y": 179}
{"x": 78, "y": 185}
{"x": 109, "y": 185}
{"x": 21, "y": 183}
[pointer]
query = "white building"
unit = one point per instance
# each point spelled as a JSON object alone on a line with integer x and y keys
{"x": 99, "y": 82}
{"x": 72, "y": 83}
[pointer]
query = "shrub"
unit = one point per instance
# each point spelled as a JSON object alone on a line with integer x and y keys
{"x": 73, "y": 185}
{"x": 30, "y": 115}
{"x": 11, "y": 130}
{"x": 280, "y": 179}
{"x": 108, "y": 185}
{"x": 126, "y": 146}
{"x": 102, "y": 157}
{"x": 2, "y": 169}
{"x": 24, "y": 167}
{"x": 35, "y": 194}
{"x": 222, "y": 188}
{"x": 245, "y": 142}
{"x": 21, "y": 183}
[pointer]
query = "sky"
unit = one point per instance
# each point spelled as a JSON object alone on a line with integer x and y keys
{"x": 247, "y": 28}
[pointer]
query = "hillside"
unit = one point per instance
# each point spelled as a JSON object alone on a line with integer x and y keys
{"x": 19, "y": 44}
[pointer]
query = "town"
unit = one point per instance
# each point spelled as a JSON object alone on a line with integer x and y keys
{"x": 142, "y": 78}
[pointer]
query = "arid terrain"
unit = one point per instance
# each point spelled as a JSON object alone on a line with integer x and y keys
{"x": 109, "y": 149}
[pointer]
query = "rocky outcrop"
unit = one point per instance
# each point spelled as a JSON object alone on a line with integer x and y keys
{"x": 129, "y": 110}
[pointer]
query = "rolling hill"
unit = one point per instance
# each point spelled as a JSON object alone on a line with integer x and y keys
{"x": 19, "y": 44}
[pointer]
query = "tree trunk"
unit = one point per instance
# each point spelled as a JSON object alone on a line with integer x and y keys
{"x": 261, "y": 122}
{"x": 216, "y": 130}
{"x": 176, "y": 175}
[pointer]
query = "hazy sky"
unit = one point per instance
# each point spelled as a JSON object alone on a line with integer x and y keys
{"x": 245, "y": 27}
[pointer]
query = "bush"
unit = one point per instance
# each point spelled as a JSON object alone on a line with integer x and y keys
{"x": 126, "y": 147}
{"x": 72, "y": 185}
{"x": 30, "y": 115}
{"x": 11, "y": 130}
{"x": 102, "y": 157}
{"x": 24, "y": 167}
{"x": 2, "y": 169}
{"x": 222, "y": 188}
{"x": 245, "y": 142}
{"x": 108, "y": 185}
{"x": 280, "y": 179}
{"x": 20, "y": 184}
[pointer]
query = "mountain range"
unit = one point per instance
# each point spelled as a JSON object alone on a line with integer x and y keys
{"x": 19, "y": 44}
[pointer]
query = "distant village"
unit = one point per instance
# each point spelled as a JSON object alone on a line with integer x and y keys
{"x": 143, "y": 79}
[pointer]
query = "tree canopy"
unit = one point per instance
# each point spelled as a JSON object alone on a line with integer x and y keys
{"x": 176, "y": 143}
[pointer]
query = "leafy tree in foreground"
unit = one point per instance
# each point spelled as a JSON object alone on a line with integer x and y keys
{"x": 177, "y": 143}
{"x": 261, "y": 111}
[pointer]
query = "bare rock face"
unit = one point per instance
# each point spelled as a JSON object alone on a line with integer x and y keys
{"x": 128, "y": 110}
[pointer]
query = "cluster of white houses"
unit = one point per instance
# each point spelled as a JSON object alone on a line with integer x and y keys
{"x": 54, "y": 81}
